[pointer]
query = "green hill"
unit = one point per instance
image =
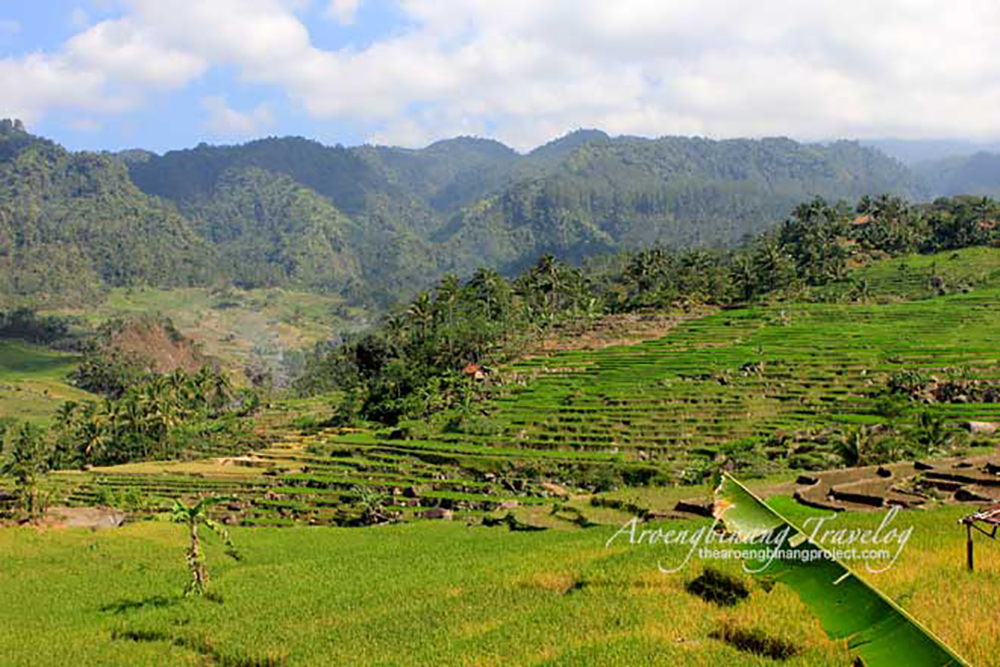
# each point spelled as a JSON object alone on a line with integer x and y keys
{"x": 270, "y": 231}
{"x": 74, "y": 224}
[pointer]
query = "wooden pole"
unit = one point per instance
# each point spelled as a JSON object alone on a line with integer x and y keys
{"x": 968, "y": 545}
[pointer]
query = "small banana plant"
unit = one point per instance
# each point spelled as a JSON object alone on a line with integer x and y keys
{"x": 194, "y": 516}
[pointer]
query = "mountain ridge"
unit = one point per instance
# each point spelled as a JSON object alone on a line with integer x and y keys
{"x": 376, "y": 223}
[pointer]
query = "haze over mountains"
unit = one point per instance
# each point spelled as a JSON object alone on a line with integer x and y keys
{"x": 376, "y": 223}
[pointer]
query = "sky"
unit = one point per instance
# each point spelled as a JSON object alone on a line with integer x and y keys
{"x": 164, "y": 74}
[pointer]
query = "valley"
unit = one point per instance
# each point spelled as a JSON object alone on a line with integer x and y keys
{"x": 471, "y": 445}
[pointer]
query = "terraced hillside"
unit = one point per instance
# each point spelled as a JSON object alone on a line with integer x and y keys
{"x": 777, "y": 383}
{"x": 913, "y": 277}
{"x": 749, "y": 375}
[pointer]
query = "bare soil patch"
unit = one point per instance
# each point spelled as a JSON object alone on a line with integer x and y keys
{"x": 610, "y": 330}
{"x": 83, "y": 517}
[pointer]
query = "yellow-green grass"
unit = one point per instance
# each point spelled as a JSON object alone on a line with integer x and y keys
{"x": 33, "y": 381}
{"x": 912, "y": 276}
{"x": 443, "y": 594}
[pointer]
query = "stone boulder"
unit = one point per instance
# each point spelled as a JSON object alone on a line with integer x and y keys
{"x": 980, "y": 428}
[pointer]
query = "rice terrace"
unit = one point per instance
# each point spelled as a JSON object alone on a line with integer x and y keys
{"x": 666, "y": 396}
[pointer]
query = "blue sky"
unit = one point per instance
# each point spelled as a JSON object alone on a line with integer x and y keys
{"x": 111, "y": 74}
{"x": 178, "y": 118}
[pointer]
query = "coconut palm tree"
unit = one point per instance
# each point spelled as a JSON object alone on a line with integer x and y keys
{"x": 931, "y": 434}
{"x": 194, "y": 516}
{"x": 26, "y": 461}
{"x": 421, "y": 312}
{"x": 93, "y": 435}
{"x": 222, "y": 391}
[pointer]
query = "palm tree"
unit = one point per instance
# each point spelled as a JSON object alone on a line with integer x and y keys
{"x": 183, "y": 389}
{"x": 857, "y": 447}
{"x": 488, "y": 287}
{"x": 931, "y": 434}
{"x": 26, "y": 462}
{"x": 66, "y": 413}
{"x": 194, "y": 516}
{"x": 546, "y": 273}
{"x": 92, "y": 433}
{"x": 397, "y": 330}
{"x": 446, "y": 296}
{"x": 421, "y": 312}
{"x": 222, "y": 390}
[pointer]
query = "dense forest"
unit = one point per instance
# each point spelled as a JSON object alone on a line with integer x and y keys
{"x": 377, "y": 224}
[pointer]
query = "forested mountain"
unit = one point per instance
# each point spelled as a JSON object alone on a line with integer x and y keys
{"x": 377, "y": 223}
{"x": 674, "y": 191}
{"x": 448, "y": 174}
{"x": 269, "y": 230}
{"x": 72, "y": 224}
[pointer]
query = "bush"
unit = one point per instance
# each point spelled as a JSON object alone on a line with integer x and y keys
{"x": 718, "y": 588}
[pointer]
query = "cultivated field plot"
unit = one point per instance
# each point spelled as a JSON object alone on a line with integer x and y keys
{"x": 924, "y": 276}
{"x": 747, "y": 374}
{"x": 443, "y": 593}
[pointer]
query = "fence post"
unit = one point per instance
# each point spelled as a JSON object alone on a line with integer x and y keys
{"x": 968, "y": 545}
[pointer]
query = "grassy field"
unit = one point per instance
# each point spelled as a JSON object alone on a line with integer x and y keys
{"x": 33, "y": 381}
{"x": 446, "y": 594}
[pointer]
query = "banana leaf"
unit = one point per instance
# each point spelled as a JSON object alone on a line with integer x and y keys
{"x": 876, "y": 629}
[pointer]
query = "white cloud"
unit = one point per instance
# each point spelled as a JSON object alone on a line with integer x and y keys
{"x": 343, "y": 11}
{"x": 132, "y": 54}
{"x": 36, "y": 83}
{"x": 108, "y": 68}
{"x": 530, "y": 69}
{"x": 225, "y": 121}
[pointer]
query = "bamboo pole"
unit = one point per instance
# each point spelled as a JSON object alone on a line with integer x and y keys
{"x": 968, "y": 545}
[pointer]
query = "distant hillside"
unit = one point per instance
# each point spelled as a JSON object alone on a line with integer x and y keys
{"x": 977, "y": 174}
{"x": 675, "y": 191}
{"x": 155, "y": 342}
{"x": 915, "y": 151}
{"x": 446, "y": 175}
{"x": 271, "y": 231}
{"x": 375, "y": 223}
